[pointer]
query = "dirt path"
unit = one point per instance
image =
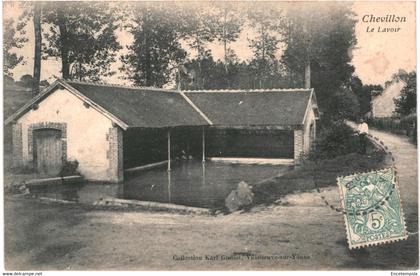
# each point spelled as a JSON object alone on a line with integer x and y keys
{"x": 405, "y": 155}
{"x": 298, "y": 233}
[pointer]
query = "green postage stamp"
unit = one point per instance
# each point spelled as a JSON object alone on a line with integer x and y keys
{"x": 373, "y": 212}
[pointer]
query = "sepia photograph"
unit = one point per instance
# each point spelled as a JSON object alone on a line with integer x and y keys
{"x": 209, "y": 136}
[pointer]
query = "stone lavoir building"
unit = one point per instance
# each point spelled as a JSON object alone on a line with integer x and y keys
{"x": 109, "y": 129}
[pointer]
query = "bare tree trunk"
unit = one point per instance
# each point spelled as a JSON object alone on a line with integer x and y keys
{"x": 65, "y": 65}
{"x": 308, "y": 75}
{"x": 225, "y": 36}
{"x": 148, "y": 62}
{"x": 38, "y": 42}
{"x": 179, "y": 78}
{"x": 200, "y": 56}
{"x": 80, "y": 71}
{"x": 263, "y": 42}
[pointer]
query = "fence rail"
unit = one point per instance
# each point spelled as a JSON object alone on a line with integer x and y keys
{"x": 404, "y": 126}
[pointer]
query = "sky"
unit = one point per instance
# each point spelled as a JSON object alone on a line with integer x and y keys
{"x": 378, "y": 55}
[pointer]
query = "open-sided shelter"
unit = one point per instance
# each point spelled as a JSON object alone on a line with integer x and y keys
{"x": 111, "y": 128}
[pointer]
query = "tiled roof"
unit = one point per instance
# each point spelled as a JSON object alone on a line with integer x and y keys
{"x": 257, "y": 107}
{"x": 156, "y": 108}
{"x": 142, "y": 107}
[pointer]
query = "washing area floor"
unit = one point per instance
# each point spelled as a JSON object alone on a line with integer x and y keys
{"x": 190, "y": 183}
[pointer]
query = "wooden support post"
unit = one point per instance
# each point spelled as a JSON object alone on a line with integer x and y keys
{"x": 203, "y": 146}
{"x": 203, "y": 176}
{"x": 169, "y": 150}
{"x": 169, "y": 187}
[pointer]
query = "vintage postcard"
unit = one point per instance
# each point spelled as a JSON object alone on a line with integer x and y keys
{"x": 209, "y": 135}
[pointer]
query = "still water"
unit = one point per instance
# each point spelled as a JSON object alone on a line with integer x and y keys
{"x": 190, "y": 183}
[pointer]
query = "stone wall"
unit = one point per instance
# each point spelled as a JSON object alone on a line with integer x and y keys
{"x": 307, "y": 138}
{"x": 84, "y": 132}
{"x": 17, "y": 149}
{"x": 298, "y": 144}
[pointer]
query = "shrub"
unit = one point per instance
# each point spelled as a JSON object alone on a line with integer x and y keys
{"x": 69, "y": 168}
{"x": 334, "y": 140}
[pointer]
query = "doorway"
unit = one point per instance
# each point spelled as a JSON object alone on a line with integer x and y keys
{"x": 48, "y": 151}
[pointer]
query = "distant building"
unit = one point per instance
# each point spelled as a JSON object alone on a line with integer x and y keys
{"x": 383, "y": 104}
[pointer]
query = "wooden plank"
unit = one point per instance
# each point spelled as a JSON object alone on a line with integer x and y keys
{"x": 148, "y": 166}
{"x": 54, "y": 180}
{"x": 151, "y": 205}
{"x": 261, "y": 161}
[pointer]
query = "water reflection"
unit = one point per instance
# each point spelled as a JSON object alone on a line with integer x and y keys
{"x": 204, "y": 173}
{"x": 195, "y": 183}
{"x": 79, "y": 192}
{"x": 169, "y": 186}
{"x": 191, "y": 183}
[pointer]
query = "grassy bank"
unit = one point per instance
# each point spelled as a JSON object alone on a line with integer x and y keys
{"x": 316, "y": 174}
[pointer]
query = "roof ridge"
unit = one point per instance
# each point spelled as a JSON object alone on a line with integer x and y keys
{"x": 101, "y": 83}
{"x": 97, "y": 83}
{"x": 250, "y": 90}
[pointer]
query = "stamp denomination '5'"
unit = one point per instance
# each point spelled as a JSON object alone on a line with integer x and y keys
{"x": 373, "y": 212}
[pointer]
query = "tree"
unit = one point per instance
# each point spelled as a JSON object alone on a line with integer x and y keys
{"x": 26, "y": 81}
{"x": 344, "y": 104}
{"x": 12, "y": 40}
{"x": 8, "y": 81}
{"x": 82, "y": 35}
{"x": 405, "y": 104}
{"x": 199, "y": 28}
{"x": 364, "y": 94}
{"x": 299, "y": 36}
{"x": 401, "y": 75}
{"x": 156, "y": 50}
{"x": 265, "y": 44}
{"x": 320, "y": 37}
{"x": 264, "y": 65}
{"x": 228, "y": 28}
{"x": 33, "y": 11}
{"x": 38, "y": 43}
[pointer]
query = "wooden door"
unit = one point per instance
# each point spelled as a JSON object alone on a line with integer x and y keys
{"x": 48, "y": 151}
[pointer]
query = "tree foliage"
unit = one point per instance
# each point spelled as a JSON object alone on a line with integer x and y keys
{"x": 26, "y": 81}
{"x": 322, "y": 35}
{"x": 200, "y": 28}
{"x": 12, "y": 39}
{"x": 82, "y": 35}
{"x": 265, "y": 45}
{"x": 156, "y": 50}
{"x": 364, "y": 94}
{"x": 32, "y": 10}
{"x": 284, "y": 40}
{"x": 228, "y": 27}
{"x": 401, "y": 75}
